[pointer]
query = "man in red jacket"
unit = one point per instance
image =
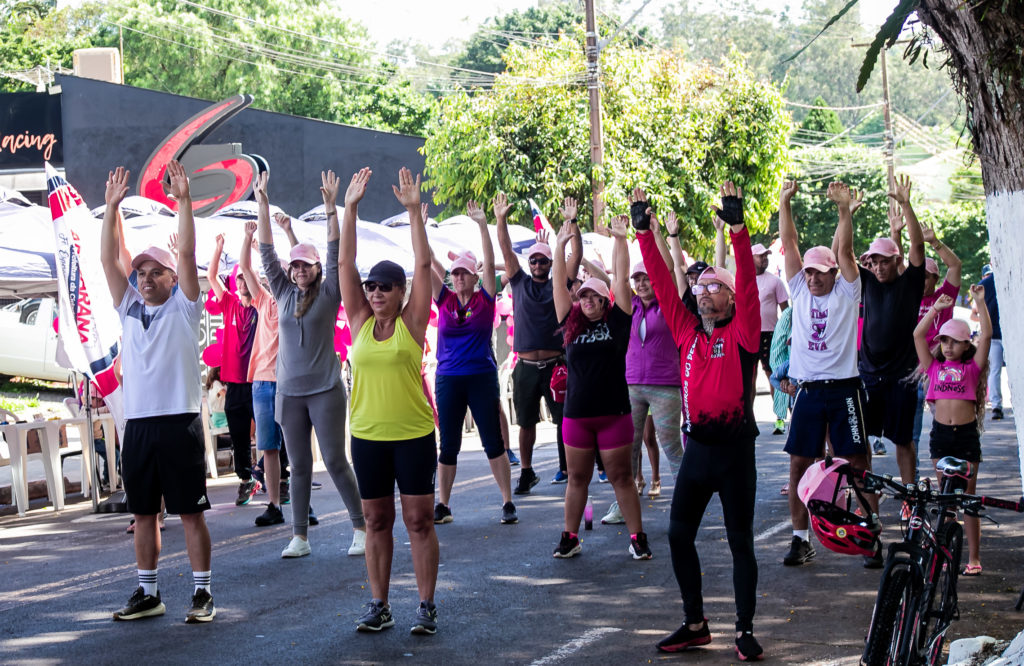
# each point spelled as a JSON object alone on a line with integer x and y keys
{"x": 718, "y": 353}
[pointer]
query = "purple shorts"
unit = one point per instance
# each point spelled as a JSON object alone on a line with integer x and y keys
{"x": 603, "y": 432}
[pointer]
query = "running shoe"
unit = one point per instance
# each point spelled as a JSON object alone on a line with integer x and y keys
{"x": 508, "y": 514}
{"x": 601, "y": 476}
{"x": 780, "y": 427}
{"x": 358, "y": 546}
{"x": 426, "y": 619}
{"x": 246, "y": 489}
{"x": 512, "y": 459}
{"x": 286, "y": 495}
{"x": 257, "y": 473}
{"x": 559, "y": 477}
{"x": 527, "y": 480}
{"x": 377, "y": 616}
{"x": 800, "y": 552}
{"x": 685, "y": 638}
{"x": 202, "y": 607}
{"x": 638, "y": 547}
{"x": 997, "y": 413}
{"x": 877, "y": 446}
{"x": 272, "y": 516}
{"x": 614, "y": 516}
{"x": 313, "y": 520}
{"x": 747, "y": 647}
{"x": 297, "y": 547}
{"x": 141, "y": 605}
{"x": 568, "y": 546}
{"x": 875, "y": 561}
{"x": 442, "y": 514}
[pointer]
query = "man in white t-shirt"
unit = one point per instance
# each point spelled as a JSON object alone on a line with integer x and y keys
{"x": 826, "y": 293}
{"x": 163, "y": 452}
{"x": 774, "y": 297}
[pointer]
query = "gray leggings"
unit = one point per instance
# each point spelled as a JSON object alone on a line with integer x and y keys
{"x": 325, "y": 411}
{"x": 665, "y": 404}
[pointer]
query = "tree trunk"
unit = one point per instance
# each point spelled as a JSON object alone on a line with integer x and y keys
{"x": 983, "y": 40}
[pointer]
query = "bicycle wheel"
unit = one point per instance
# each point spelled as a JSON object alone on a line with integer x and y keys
{"x": 892, "y": 622}
{"x": 939, "y": 616}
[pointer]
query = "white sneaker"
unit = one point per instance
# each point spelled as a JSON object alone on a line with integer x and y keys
{"x": 614, "y": 516}
{"x": 358, "y": 546}
{"x": 297, "y": 547}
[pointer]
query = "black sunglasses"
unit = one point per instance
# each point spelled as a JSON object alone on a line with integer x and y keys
{"x": 374, "y": 286}
{"x": 534, "y": 261}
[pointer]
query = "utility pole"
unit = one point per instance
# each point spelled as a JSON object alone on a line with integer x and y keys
{"x": 594, "y": 88}
{"x": 890, "y": 138}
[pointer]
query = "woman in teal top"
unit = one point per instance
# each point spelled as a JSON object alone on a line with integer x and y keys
{"x": 392, "y": 425}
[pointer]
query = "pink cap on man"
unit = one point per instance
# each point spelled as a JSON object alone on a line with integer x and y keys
{"x": 465, "y": 262}
{"x": 306, "y": 253}
{"x": 884, "y": 246}
{"x": 820, "y": 258}
{"x": 958, "y": 329}
{"x": 542, "y": 249}
{"x": 157, "y": 254}
{"x": 930, "y": 266}
{"x": 721, "y": 275}
{"x": 595, "y": 285}
{"x": 759, "y": 249}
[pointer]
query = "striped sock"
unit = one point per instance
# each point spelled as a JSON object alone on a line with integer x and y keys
{"x": 202, "y": 580}
{"x": 147, "y": 579}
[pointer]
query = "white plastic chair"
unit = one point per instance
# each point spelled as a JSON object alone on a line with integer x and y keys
{"x": 16, "y": 436}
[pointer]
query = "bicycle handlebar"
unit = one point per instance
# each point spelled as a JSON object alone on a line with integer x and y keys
{"x": 1017, "y": 506}
{"x": 937, "y": 497}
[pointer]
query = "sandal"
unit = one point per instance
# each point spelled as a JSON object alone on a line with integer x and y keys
{"x": 655, "y": 491}
{"x": 971, "y": 570}
{"x": 784, "y": 490}
{"x": 640, "y": 485}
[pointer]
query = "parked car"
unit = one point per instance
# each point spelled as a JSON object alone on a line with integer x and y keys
{"x": 28, "y": 341}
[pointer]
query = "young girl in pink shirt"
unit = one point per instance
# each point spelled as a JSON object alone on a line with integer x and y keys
{"x": 956, "y": 377}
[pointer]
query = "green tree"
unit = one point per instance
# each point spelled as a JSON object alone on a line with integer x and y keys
{"x": 822, "y": 122}
{"x": 485, "y": 49}
{"x": 674, "y": 128}
{"x": 961, "y": 226}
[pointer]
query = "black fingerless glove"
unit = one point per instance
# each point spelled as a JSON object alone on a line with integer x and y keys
{"x": 638, "y": 213}
{"x": 732, "y": 210}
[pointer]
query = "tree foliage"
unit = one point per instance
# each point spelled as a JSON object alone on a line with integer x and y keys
{"x": 822, "y": 120}
{"x": 961, "y": 226}
{"x": 675, "y": 129}
{"x": 485, "y": 49}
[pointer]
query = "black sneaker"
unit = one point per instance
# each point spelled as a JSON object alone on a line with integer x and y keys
{"x": 685, "y": 638}
{"x": 997, "y": 413}
{"x": 800, "y": 552}
{"x": 527, "y": 480}
{"x": 286, "y": 495}
{"x": 376, "y": 617}
{"x": 246, "y": 489}
{"x": 508, "y": 514}
{"x": 442, "y": 514}
{"x": 141, "y": 605}
{"x": 568, "y": 546}
{"x": 875, "y": 561}
{"x": 313, "y": 520}
{"x": 426, "y": 619}
{"x": 202, "y": 607}
{"x": 638, "y": 547}
{"x": 747, "y": 647}
{"x": 272, "y": 516}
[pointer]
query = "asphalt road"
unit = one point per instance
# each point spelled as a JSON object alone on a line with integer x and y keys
{"x": 501, "y": 596}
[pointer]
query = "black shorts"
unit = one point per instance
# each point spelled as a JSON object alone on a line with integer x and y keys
{"x": 379, "y": 464}
{"x": 960, "y": 441}
{"x": 890, "y": 410}
{"x": 836, "y": 407}
{"x": 530, "y": 383}
{"x": 765, "y": 351}
{"x": 165, "y": 456}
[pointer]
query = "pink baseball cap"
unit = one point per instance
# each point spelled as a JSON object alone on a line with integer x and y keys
{"x": 465, "y": 261}
{"x": 600, "y": 264}
{"x": 930, "y": 266}
{"x": 820, "y": 258}
{"x": 958, "y": 329}
{"x": 638, "y": 267}
{"x": 721, "y": 275}
{"x": 539, "y": 248}
{"x": 759, "y": 249}
{"x": 157, "y": 254}
{"x": 306, "y": 253}
{"x": 595, "y": 285}
{"x": 884, "y": 246}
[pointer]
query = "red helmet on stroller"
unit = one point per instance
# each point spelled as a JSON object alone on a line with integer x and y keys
{"x": 829, "y": 497}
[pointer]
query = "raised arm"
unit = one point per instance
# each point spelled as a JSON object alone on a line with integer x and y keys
{"x": 188, "y": 275}
{"x": 117, "y": 277}
{"x": 329, "y": 185}
{"x": 124, "y": 256}
{"x": 214, "y": 268}
{"x": 787, "y": 230}
{"x": 984, "y": 341}
{"x": 501, "y": 208}
{"x": 569, "y": 209}
{"x": 721, "y": 251}
{"x": 356, "y": 305}
{"x": 924, "y": 352}
{"x": 620, "y": 260}
{"x": 896, "y": 225}
{"x": 843, "y": 240}
{"x": 679, "y": 319}
{"x": 748, "y": 302}
{"x": 916, "y": 237}
{"x": 285, "y": 223}
{"x": 245, "y": 261}
{"x": 559, "y": 290}
{"x": 480, "y": 217}
{"x": 595, "y": 271}
{"x": 953, "y": 264}
{"x": 677, "y": 267}
{"x": 416, "y": 313}
{"x": 437, "y": 272}
{"x": 666, "y": 254}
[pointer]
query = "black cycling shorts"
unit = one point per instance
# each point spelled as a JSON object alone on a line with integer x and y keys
{"x": 410, "y": 462}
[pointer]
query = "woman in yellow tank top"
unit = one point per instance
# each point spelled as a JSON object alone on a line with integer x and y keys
{"x": 392, "y": 425}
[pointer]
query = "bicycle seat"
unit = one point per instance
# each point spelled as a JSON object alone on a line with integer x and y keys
{"x": 950, "y": 466}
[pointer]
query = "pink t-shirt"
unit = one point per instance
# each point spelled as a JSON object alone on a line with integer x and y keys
{"x": 945, "y": 315}
{"x": 772, "y": 292}
{"x": 952, "y": 380}
{"x": 263, "y": 362}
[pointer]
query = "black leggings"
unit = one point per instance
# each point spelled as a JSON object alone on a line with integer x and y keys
{"x": 728, "y": 469}
{"x": 238, "y": 410}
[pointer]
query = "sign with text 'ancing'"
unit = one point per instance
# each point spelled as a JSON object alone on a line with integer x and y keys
{"x": 30, "y": 130}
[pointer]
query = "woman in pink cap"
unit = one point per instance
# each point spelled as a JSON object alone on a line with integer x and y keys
{"x": 597, "y": 412}
{"x": 956, "y": 389}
